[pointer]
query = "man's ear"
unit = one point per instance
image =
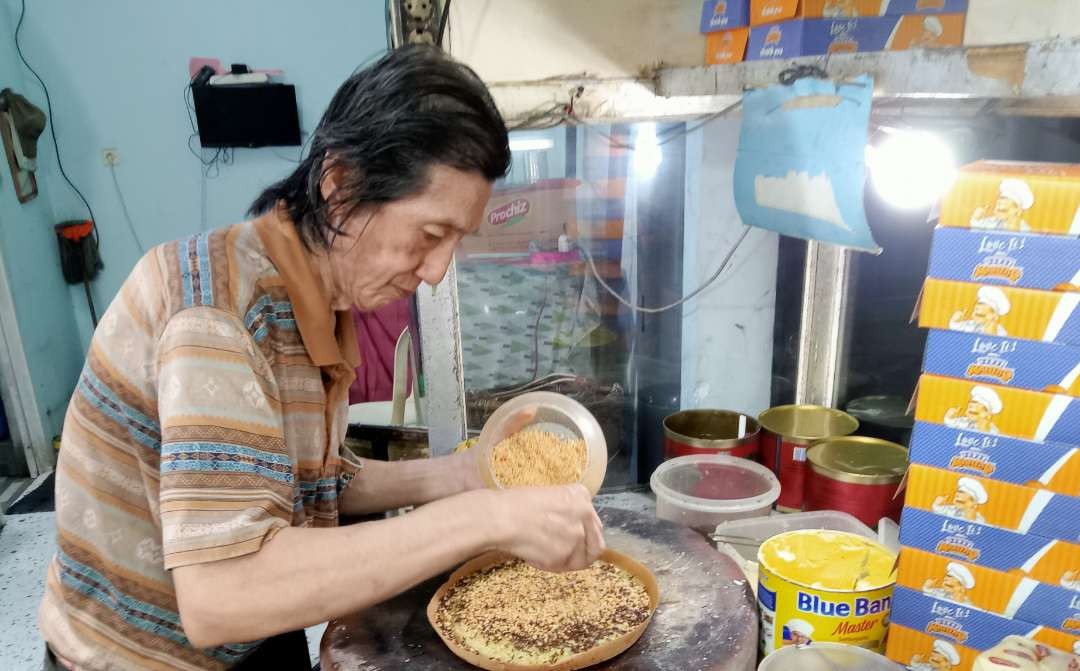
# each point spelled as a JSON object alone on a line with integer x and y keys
{"x": 332, "y": 178}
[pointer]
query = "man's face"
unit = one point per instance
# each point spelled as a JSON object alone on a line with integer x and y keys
{"x": 984, "y": 313}
{"x": 978, "y": 413}
{"x": 1007, "y": 209}
{"x": 389, "y": 250}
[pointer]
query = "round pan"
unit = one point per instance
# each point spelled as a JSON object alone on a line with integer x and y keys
{"x": 579, "y": 661}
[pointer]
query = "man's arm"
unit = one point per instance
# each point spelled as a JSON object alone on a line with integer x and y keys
{"x": 382, "y": 485}
{"x": 303, "y": 576}
{"x": 385, "y": 485}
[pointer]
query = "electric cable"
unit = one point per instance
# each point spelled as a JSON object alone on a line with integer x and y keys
{"x": 52, "y": 124}
{"x": 124, "y": 207}
{"x": 637, "y": 308}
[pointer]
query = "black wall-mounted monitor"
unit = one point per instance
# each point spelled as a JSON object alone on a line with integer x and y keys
{"x": 247, "y": 115}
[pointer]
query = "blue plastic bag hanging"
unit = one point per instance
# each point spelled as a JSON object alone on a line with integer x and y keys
{"x": 801, "y": 169}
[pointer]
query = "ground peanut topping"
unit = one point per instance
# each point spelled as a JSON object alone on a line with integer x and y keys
{"x": 514, "y": 613}
{"x": 534, "y": 458}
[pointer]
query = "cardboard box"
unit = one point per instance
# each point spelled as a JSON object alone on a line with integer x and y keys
{"x": 1054, "y": 562}
{"x": 1015, "y": 197}
{"x": 1028, "y": 314}
{"x": 1008, "y": 362}
{"x": 911, "y": 648}
{"x": 1011, "y": 595}
{"x": 514, "y": 218}
{"x": 1050, "y": 263}
{"x": 814, "y": 37}
{"x": 726, "y": 47}
{"x": 970, "y": 498}
{"x": 987, "y": 408}
{"x": 1051, "y": 465}
{"x": 771, "y": 11}
{"x": 969, "y": 627}
{"x": 724, "y": 15}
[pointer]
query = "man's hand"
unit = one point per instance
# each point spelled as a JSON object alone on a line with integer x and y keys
{"x": 551, "y": 528}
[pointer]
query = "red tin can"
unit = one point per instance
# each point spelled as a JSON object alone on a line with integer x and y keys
{"x": 710, "y": 432}
{"x": 858, "y": 476}
{"x": 787, "y": 432}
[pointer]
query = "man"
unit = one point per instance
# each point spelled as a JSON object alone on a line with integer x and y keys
{"x": 990, "y": 307}
{"x": 953, "y": 586}
{"x": 1014, "y": 198}
{"x": 983, "y": 405}
{"x": 200, "y": 478}
{"x": 798, "y": 632}
{"x": 943, "y": 657}
{"x": 969, "y": 495}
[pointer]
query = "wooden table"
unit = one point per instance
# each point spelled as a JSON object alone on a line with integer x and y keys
{"x": 706, "y": 621}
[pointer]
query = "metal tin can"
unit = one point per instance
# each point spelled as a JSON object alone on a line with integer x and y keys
{"x": 820, "y": 586}
{"x": 858, "y": 476}
{"x": 787, "y": 432}
{"x": 710, "y": 432}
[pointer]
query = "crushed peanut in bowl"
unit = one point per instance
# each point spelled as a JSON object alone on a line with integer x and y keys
{"x": 535, "y": 458}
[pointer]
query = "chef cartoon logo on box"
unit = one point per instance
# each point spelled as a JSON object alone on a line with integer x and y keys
{"x": 969, "y": 499}
{"x": 926, "y": 653}
{"x": 955, "y": 585}
{"x": 983, "y": 405}
{"x": 985, "y": 316}
{"x": 942, "y": 656}
{"x": 1007, "y": 213}
{"x": 964, "y": 503}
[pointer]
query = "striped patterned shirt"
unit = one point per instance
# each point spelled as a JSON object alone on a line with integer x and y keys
{"x": 208, "y": 416}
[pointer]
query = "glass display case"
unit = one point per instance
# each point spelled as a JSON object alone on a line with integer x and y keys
{"x": 588, "y": 245}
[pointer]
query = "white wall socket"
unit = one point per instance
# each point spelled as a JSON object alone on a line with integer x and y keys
{"x": 110, "y": 156}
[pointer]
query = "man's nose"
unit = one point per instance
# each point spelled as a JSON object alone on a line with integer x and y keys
{"x": 434, "y": 266}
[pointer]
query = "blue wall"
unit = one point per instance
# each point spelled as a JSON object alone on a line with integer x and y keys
{"x": 116, "y": 70}
{"x": 42, "y": 301}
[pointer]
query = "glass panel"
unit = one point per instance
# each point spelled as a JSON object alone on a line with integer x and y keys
{"x": 651, "y": 204}
{"x": 886, "y": 350}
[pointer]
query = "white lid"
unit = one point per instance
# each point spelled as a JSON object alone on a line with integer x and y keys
{"x": 686, "y": 482}
{"x": 827, "y": 657}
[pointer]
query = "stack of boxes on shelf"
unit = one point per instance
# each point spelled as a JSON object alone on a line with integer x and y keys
{"x": 790, "y": 28}
{"x": 991, "y": 524}
{"x": 726, "y": 27}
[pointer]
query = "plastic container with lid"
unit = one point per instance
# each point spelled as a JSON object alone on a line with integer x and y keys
{"x": 553, "y": 413}
{"x": 827, "y": 657}
{"x": 701, "y": 491}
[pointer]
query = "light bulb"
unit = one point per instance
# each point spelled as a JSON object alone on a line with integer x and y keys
{"x": 912, "y": 169}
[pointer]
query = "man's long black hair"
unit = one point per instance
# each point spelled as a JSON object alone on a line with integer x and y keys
{"x": 386, "y": 126}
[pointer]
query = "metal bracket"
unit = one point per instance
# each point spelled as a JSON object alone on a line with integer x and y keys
{"x": 824, "y": 332}
{"x": 443, "y": 372}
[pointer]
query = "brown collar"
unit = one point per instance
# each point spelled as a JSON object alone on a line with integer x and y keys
{"x": 329, "y": 336}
